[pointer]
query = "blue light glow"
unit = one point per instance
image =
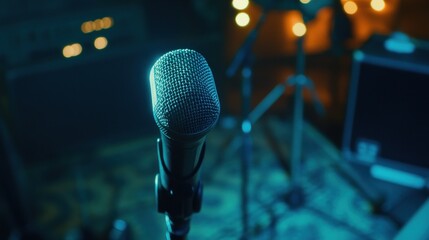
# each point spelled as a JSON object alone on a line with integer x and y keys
{"x": 120, "y": 224}
{"x": 398, "y": 177}
{"x": 152, "y": 87}
{"x": 246, "y": 126}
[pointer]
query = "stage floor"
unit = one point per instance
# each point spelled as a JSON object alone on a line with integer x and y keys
{"x": 117, "y": 182}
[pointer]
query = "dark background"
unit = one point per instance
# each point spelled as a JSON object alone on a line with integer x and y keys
{"x": 54, "y": 107}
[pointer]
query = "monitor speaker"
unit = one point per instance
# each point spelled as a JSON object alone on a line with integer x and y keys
{"x": 387, "y": 117}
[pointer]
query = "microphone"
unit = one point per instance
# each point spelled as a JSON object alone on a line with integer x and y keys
{"x": 186, "y": 107}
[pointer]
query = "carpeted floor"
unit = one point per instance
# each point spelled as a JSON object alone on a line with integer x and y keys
{"x": 117, "y": 182}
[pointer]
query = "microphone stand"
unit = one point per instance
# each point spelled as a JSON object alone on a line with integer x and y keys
{"x": 295, "y": 195}
{"x": 245, "y": 58}
{"x": 246, "y": 128}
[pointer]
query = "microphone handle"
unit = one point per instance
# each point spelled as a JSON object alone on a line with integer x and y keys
{"x": 178, "y": 196}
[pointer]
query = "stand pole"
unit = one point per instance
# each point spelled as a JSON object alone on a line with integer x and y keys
{"x": 295, "y": 196}
{"x": 244, "y": 58}
{"x": 246, "y": 128}
{"x": 298, "y": 115}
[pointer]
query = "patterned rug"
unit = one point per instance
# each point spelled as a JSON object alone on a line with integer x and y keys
{"x": 117, "y": 182}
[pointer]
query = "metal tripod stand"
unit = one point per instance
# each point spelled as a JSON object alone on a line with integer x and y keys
{"x": 300, "y": 81}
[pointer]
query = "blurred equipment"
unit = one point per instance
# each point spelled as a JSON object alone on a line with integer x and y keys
{"x": 73, "y": 81}
{"x": 185, "y": 107}
{"x": 386, "y": 124}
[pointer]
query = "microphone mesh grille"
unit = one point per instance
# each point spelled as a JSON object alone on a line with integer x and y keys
{"x": 186, "y": 101}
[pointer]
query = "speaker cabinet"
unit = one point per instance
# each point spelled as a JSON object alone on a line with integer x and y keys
{"x": 387, "y": 117}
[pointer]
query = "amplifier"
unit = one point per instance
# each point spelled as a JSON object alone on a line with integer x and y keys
{"x": 387, "y": 117}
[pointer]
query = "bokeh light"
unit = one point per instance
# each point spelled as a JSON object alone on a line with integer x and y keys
{"x": 100, "y": 43}
{"x": 242, "y": 19}
{"x": 299, "y": 29}
{"x": 240, "y": 4}
{"x": 350, "y": 7}
{"x": 72, "y": 50}
{"x": 378, "y": 5}
{"x": 97, "y": 25}
{"x": 107, "y": 22}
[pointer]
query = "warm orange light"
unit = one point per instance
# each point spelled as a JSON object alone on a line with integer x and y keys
{"x": 98, "y": 25}
{"x": 299, "y": 29}
{"x": 67, "y": 51}
{"x": 100, "y": 43}
{"x": 242, "y": 19}
{"x": 350, "y": 7}
{"x": 107, "y": 22}
{"x": 72, "y": 50}
{"x": 378, "y": 5}
{"x": 86, "y": 27}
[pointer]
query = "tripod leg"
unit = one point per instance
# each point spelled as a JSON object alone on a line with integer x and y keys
{"x": 317, "y": 103}
{"x": 245, "y": 166}
{"x": 266, "y": 103}
{"x": 295, "y": 196}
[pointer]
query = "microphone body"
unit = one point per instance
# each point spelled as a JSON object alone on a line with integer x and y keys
{"x": 186, "y": 107}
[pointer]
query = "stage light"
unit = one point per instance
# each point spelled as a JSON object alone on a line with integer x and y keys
{"x": 350, "y": 7}
{"x": 72, "y": 50}
{"x": 242, "y": 19}
{"x": 299, "y": 29}
{"x": 378, "y": 5}
{"x": 240, "y": 4}
{"x": 305, "y": 1}
{"x": 100, "y": 43}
